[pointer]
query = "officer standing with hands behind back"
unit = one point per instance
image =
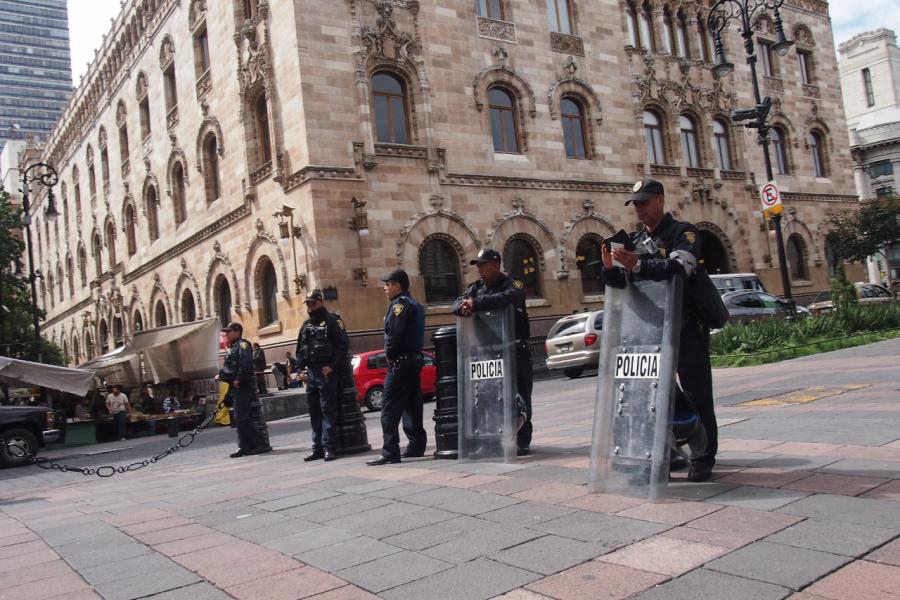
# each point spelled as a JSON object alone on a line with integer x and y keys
{"x": 238, "y": 373}
{"x": 322, "y": 347}
{"x": 404, "y": 331}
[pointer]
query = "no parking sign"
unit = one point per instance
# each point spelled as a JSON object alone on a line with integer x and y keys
{"x": 770, "y": 198}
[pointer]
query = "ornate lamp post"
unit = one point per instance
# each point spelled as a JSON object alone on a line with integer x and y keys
{"x": 45, "y": 175}
{"x": 742, "y": 11}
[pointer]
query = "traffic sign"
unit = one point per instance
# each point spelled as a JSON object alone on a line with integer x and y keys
{"x": 770, "y": 198}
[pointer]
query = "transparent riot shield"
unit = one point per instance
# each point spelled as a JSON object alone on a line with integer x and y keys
{"x": 485, "y": 347}
{"x": 636, "y": 388}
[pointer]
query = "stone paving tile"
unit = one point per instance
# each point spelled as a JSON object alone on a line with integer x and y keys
{"x": 132, "y": 518}
{"x": 155, "y": 525}
{"x": 471, "y": 481}
{"x": 347, "y": 592}
{"x": 289, "y": 585}
{"x": 392, "y": 571}
{"x": 702, "y": 583}
{"x": 521, "y": 594}
{"x": 866, "y": 468}
{"x": 20, "y": 538}
{"x": 764, "y": 477}
{"x": 276, "y": 530}
{"x": 670, "y": 512}
{"x": 553, "y": 493}
{"x": 606, "y": 530}
{"x": 248, "y": 522}
{"x": 526, "y": 513}
{"x": 598, "y": 581}
{"x": 889, "y": 554}
{"x": 481, "y": 542}
{"x": 47, "y": 587}
{"x": 509, "y": 486}
{"x": 45, "y": 570}
{"x": 464, "y": 502}
{"x": 744, "y": 522}
{"x": 309, "y": 540}
{"x": 603, "y": 503}
{"x": 834, "y": 537}
{"x": 366, "y": 488}
{"x": 318, "y": 505}
{"x": 296, "y": 500}
{"x": 664, "y": 555}
{"x": 547, "y": 555}
{"x": 334, "y": 515}
{"x": 477, "y": 580}
{"x": 176, "y": 533}
{"x": 888, "y": 491}
{"x": 860, "y": 579}
{"x": 713, "y": 538}
{"x": 411, "y": 518}
{"x": 196, "y": 591}
{"x": 403, "y": 490}
{"x": 82, "y": 556}
{"x": 126, "y": 568}
{"x": 217, "y": 564}
{"x": 555, "y": 474}
{"x": 435, "y": 533}
{"x": 737, "y": 445}
{"x": 846, "y": 485}
{"x": 192, "y": 544}
{"x": 787, "y": 566}
{"x": 28, "y": 559}
{"x": 23, "y": 548}
{"x": 348, "y": 553}
{"x": 66, "y": 534}
{"x": 863, "y": 511}
{"x": 806, "y": 449}
{"x": 758, "y": 498}
{"x": 146, "y": 584}
{"x": 681, "y": 489}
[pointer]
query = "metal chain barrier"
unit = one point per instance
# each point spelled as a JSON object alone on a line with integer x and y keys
{"x": 108, "y": 471}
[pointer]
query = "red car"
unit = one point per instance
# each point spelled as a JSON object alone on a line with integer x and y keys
{"x": 370, "y": 369}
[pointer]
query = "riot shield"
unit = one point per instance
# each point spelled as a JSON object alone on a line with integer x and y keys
{"x": 485, "y": 349}
{"x": 636, "y": 388}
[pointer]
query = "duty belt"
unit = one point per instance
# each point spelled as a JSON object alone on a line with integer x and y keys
{"x": 402, "y": 358}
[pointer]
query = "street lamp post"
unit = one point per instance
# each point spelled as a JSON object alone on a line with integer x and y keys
{"x": 742, "y": 11}
{"x": 45, "y": 175}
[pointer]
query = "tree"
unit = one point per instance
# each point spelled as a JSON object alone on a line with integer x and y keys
{"x": 858, "y": 234}
{"x": 16, "y": 324}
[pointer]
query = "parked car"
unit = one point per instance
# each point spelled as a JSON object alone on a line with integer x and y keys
{"x": 24, "y": 429}
{"x": 866, "y": 293}
{"x": 753, "y": 305}
{"x": 370, "y": 370}
{"x": 734, "y": 282}
{"x": 573, "y": 343}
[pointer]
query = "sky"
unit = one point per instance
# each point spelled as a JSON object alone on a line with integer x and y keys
{"x": 89, "y": 21}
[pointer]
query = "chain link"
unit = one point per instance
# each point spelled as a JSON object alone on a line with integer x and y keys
{"x": 108, "y": 471}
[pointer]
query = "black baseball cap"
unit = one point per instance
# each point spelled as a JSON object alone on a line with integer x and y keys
{"x": 398, "y": 276}
{"x": 314, "y": 296}
{"x": 234, "y": 326}
{"x": 486, "y": 255}
{"x": 646, "y": 189}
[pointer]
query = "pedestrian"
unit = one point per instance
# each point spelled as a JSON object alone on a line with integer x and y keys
{"x": 259, "y": 365}
{"x": 238, "y": 373}
{"x": 404, "y": 332}
{"x": 666, "y": 248}
{"x": 322, "y": 350}
{"x": 119, "y": 408}
{"x": 495, "y": 289}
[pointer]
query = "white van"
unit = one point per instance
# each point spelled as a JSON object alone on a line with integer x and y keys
{"x": 733, "y": 282}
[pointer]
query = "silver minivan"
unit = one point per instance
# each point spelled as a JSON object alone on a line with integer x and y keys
{"x": 573, "y": 343}
{"x": 736, "y": 282}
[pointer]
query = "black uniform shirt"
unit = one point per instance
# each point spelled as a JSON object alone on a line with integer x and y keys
{"x": 506, "y": 291}
{"x": 239, "y": 360}
{"x": 404, "y": 326}
{"x": 322, "y": 324}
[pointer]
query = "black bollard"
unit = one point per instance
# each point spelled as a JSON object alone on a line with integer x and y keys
{"x": 446, "y": 411}
{"x": 352, "y": 436}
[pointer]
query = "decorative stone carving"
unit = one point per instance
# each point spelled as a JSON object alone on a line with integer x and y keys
{"x": 384, "y": 40}
{"x": 495, "y": 29}
{"x": 141, "y": 87}
{"x": 570, "y": 82}
{"x": 572, "y": 44}
{"x": 166, "y": 52}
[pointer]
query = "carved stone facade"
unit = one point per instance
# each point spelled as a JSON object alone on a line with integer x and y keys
{"x": 285, "y": 112}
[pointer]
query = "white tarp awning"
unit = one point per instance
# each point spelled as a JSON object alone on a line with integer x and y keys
{"x": 24, "y": 373}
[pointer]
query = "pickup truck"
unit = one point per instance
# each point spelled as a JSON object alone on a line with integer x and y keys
{"x": 23, "y": 429}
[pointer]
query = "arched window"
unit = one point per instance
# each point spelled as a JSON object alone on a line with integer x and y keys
{"x": 669, "y": 37}
{"x": 439, "y": 265}
{"x": 92, "y": 177}
{"x": 144, "y": 112}
{"x": 89, "y": 349}
{"x": 188, "y": 309}
{"x": 590, "y": 264}
{"x": 681, "y": 36}
{"x": 572, "y": 117}
{"x": 817, "y": 150}
{"x": 521, "y": 261}
{"x": 702, "y": 39}
{"x": 104, "y": 163}
{"x": 504, "y": 119}
{"x": 720, "y": 145}
{"x": 559, "y": 16}
{"x": 150, "y": 202}
{"x": 268, "y": 292}
{"x": 159, "y": 314}
{"x": 796, "y": 257}
{"x": 76, "y": 193}
{"x": 118, "y": 332}
{"x": 103, "y": 337}
{"x": 97, "y": 248}
{"x": 50, "y": 280}
{"x": 179, "y": 202}
{"x": 123, "y": 142}
{"x": 653, "y": 138}
{"x": 223, "y": 300}
{"x": 111, "y": 244}
{"x": 632, "y": 25}
{"x": 60, "y": 281}
{"x": 76, "y": 351}
{"x": 70, "y": 271}
{"x": 831, "y": 261}
{"x": 646, "y": 22}
{"x": 64, "y": 193}
{"x": 688, "y": 129}
{"x": 389, "y": 98}
{"x": 779, "y": 150}
{"x": 82, "y": 264}
{"x": 170, "y": 89}
{"x": 492, "y": 9}
{"x": 130, "y": 234}
{"x": 250, "y": 7}
{"x": 138, "y": 321}
{"x": 211, "y": 167}
{"x": 261, "y": 116}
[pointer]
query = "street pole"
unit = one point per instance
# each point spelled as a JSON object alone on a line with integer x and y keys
{"x": 743, "y": 10}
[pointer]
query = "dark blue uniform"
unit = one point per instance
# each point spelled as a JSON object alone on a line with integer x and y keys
{"x": 664, "y": 256}
{"x": 507, "y": 291}
{"x": 253, "y": 436}
{"x": 404, "y": 331}
{"x": 323, "y": 341}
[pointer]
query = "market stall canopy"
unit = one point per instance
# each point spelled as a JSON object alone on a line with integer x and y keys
{"x": 24, "y": 373}
{"x": 116, "y": 367}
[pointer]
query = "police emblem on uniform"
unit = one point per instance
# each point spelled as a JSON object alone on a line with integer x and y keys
{"x": 244, "y": 345}
{"x": 662, "y": 252}
{"x": 637, "y": 185}
{"x": 690, "y": 237}
{"x": 398, "y": 308}
{"x": 518, "y": 284}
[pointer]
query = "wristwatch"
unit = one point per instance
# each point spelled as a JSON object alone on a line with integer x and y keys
{"x": 637, "y": 267}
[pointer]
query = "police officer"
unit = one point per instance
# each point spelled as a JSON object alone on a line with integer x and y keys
{"x": 666, "y": 248}
{"x": 238, "y": 372}
{"x": 322, "y": 347}
{"x": 404, "y": 330}
{"x": 494, "y": 290}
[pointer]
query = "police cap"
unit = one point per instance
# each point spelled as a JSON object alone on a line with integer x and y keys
{"x": 397, "y": 276}
{"x": 314, "y": 296}
{"x": 486, "y": 255}
{"x": 646, "y": 189}
{"x": 234, "y": 326}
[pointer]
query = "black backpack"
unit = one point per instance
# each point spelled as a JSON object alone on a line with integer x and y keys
{"x": 705, "y": 298}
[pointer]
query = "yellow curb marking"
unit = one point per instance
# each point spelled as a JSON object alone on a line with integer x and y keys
{"x": 808, "y": 394}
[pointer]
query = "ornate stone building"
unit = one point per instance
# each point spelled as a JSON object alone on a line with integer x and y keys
{"x": 221, "y": 158}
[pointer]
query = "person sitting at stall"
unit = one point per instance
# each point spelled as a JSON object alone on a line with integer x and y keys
{"x": 82, "y": 412}
{"x": 171, "y": 404}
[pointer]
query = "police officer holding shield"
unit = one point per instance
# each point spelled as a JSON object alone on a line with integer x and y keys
{"x": 404, "y": 330}
{"x": 238, "y": 372}
{"x": 496, "y": 290}
{"x": 665, "y": 248}
{"x": 322, "y": 347}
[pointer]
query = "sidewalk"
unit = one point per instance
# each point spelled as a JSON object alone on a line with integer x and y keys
{"x": 805, "y": 504}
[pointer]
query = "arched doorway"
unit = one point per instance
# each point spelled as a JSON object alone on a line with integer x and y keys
{"x": 715, "y": 256}
{"x": 223, "y": 300}
{"x": 103, "y": 336}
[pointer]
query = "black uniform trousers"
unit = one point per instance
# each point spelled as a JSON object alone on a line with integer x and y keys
{"x": 695, "y": 375}
{"x": 253, "y": 434}
{"x": 524, "y": 385}
{"x": 403, "y": 401}
{"x": 322, "y": 396}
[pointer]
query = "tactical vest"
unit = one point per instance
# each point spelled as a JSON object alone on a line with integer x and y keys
{"x": 319, "y": 347}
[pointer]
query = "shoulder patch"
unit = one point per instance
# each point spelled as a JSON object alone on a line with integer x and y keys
{"x": 340, "y": 324}
{"x": 518, "y": 284}
{"x": 398, "y": 308}
{"x": 244, "y": 345}
{"x": 690, "y": 236}
{"x": 663, "y": 252}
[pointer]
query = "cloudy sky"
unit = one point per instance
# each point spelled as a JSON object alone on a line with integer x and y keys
{"x": 89, "y": 20}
